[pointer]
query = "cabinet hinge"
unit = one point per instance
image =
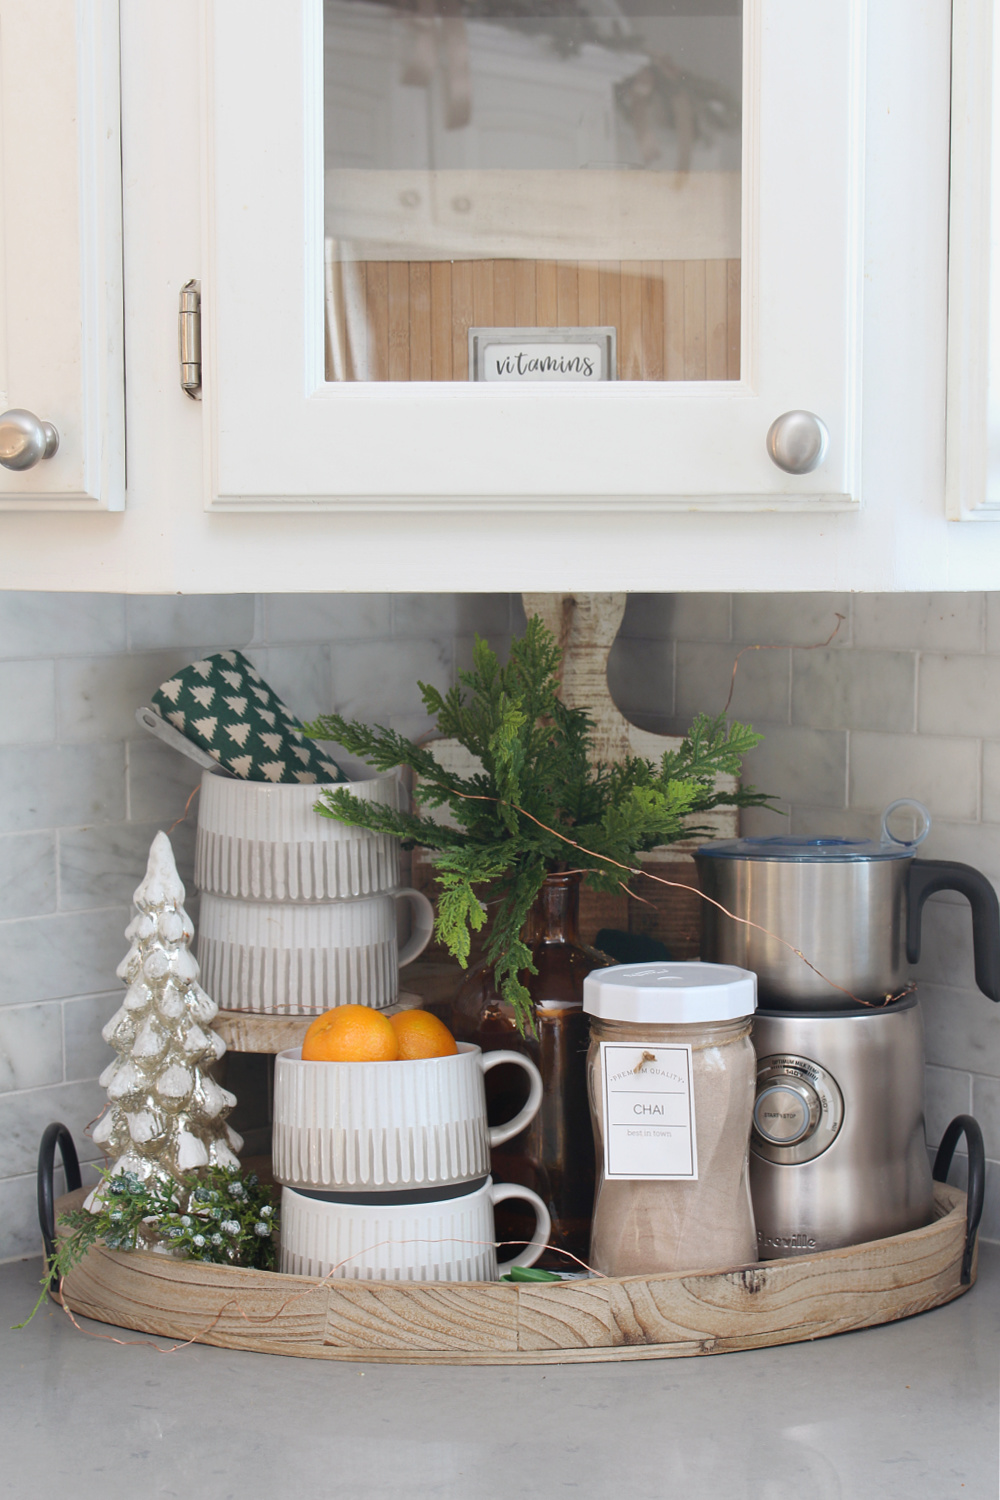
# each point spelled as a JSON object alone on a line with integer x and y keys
{"x": 189, "y": 338}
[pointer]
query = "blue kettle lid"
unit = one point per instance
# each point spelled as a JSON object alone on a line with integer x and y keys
{"x": 827, "y": 850}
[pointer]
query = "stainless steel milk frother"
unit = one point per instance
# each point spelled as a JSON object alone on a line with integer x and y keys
{"x": 838, "y": 1151}
{"x": 852, "y": 906}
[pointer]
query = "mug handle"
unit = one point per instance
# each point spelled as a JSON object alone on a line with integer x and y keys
{"x": 423, "y": 924}
{"x": 506, "y": 1132}
{"x": 499, "y": 1191}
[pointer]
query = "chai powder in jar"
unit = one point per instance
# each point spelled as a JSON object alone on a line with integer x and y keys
{"x": 671, "y": 1074}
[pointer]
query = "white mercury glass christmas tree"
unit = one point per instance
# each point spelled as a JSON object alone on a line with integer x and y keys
{"x": 166, "y": 1115}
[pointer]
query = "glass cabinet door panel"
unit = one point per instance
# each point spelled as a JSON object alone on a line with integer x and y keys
{"x": 657, "y": 205}
{"x": 511, "y": 164}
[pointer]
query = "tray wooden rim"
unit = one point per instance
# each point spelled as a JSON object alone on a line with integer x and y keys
{"x": 667, "y": 1315}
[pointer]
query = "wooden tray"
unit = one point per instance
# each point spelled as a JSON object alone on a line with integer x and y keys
{"x": 635, "y": 1317}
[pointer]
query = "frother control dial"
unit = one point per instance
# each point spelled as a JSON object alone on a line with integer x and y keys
{"x": 798, "y": 1111}
{"x": 786, "y": 1111}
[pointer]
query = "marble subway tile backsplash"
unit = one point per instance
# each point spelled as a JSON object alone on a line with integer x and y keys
{"x": 97, "y": 866}
{"x": 865, "y": 689}
{"x": 25, "y": 1114}
{"x": 28, "y": 874}
{"x": 201, "y": 620}
{"x": 920, "y": 622}
{"x": 62, "y": 955}
{"x": 705, "y": 676}
{"x": 83, "y": 789}
{"x": 48, "y": 786}
{"x": 85, "y": 1050}
{"x": 28, "y": 689}
{"x": 903, "y": 700}
{"x": 326, "y": 617}
{"x": 31, "y": 1047}
{"x": 792, "y": 619}
{"x": 97, "y": 696}
{"x": 36, "y": 625}
{"x": 941, "y": 772}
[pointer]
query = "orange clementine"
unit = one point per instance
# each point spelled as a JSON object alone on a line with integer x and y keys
{"x": 350, "y": 1033}
{"x": 419, "y": 1034}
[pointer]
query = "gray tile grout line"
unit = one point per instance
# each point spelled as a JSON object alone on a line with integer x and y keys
{"x": 42, "y": 1088}
{"x": 62, "y": 1017}
{"x": 46, "y": 916}
{"x": 58, "y": 833}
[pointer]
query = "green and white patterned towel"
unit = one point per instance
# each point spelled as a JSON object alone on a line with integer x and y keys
{"x": 224, "y": 705}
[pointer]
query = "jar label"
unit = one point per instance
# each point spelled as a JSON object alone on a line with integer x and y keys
{"x": 649, "y": 1125}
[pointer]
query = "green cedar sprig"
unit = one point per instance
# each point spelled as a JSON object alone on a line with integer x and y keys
{"x": 537, "y": 789}
{"x": 217, "y": 1214}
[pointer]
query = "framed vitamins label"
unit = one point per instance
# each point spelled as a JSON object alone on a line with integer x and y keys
{"x": 649, "y": 1123}
{"x": 518, "y": 356}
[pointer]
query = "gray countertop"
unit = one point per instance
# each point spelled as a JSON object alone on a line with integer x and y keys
{"x": 904, "y": 1412}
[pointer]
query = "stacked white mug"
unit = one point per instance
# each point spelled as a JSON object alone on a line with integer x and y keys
{"x": 298, "y": 911}
{"x": 385, "y": 1167}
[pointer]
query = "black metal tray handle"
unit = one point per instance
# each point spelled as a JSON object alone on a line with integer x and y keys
{"x": 967, "y": 1126}
{"x": 55, "y": 1135}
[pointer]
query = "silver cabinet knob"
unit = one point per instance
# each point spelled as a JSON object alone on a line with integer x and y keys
{"x": 797, "y": 442}
{"x": 24, "y": 439}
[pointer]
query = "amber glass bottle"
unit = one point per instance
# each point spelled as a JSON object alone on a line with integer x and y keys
{"x": 555, "y": 1154}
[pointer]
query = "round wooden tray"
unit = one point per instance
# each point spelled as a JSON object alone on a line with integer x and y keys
{"x": 635, "y": 1317}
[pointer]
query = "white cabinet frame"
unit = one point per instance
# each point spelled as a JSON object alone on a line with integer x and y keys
{"x": 280, "y": 438}
{"x": 973, "y": 420}
{"x": 61, "y": 319}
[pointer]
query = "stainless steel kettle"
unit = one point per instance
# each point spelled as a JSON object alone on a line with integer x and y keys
{"x": 851, "y": 906}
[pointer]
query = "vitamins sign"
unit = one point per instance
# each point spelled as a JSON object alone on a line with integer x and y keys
{"x": 649, "y": 1122}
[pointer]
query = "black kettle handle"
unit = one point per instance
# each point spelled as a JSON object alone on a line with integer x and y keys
{"x": 929, "y": 875}
{"x": 967, "y": 1126}
{"x": 55, "y": 1135}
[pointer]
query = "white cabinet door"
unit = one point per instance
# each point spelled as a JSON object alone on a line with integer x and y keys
{"x": 281, "y": 436}
{"x": 61, "y": 350}
{"x": 973, "y": 440}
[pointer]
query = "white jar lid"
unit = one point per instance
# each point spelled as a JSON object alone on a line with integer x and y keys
{"x": 658, "y": 994}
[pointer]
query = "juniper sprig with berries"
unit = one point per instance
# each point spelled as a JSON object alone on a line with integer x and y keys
{"x": 217, "y": 1214}
{"x": 537, "y": 791}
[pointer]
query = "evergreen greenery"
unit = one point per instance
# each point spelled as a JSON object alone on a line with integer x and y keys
{"x": 536, "y": 791}
{"x": 217, "y": 1214}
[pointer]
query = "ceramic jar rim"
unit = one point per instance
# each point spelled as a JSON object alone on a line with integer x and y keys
{"x": 299, "y": 787}
{"x": 293, "y": 1055}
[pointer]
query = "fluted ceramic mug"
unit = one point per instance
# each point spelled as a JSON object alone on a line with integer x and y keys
{"x": 444, "y": 1239}
{"x": 298, "y": 959}
{"x": 262, "y": 842}
{"x": 364, "y": 1126}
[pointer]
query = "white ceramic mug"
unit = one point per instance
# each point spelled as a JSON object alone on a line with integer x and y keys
{"x": 354, "y": 1126}
{"x": 298, "y": 959}
{"x": 264, "y": 842}
{"x": 445, "y": 1239}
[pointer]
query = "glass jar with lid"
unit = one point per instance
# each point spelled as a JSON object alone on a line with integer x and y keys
{"x": 671, "y": 1075}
